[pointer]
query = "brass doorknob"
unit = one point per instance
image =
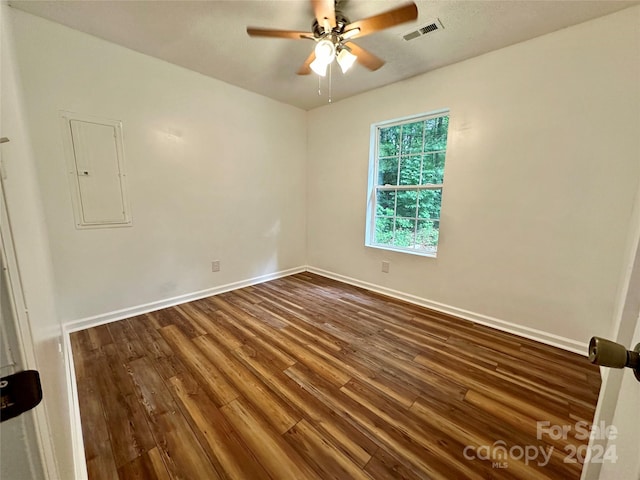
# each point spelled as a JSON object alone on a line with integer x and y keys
{"x": 611, "y": 354}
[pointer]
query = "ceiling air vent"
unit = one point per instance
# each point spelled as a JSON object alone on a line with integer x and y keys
{"x": 425, "y": 29}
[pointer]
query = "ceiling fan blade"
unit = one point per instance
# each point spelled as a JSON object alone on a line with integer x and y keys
{"x": 267, "y": 32}
{"x": 366, "y": 58}
{"x": 324, "y": 9}
{"x": 305, "y": 69}
{"x": 391, "y": 18}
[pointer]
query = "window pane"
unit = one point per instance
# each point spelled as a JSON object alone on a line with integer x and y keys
{"x": 410, "y": 170}
{"x": 433, "y": 169}
{"x": 412, "y": 137}
{"x": 388, "y": 171}
{"x": 389, "y": 141}
{"x": 436, "y": 134}
{"x": 429, "y": 203}
{"x": 406, "y": 205}
{"x": 386, "y": 203}
{"x": 427, "y": 233}
{"x": 384, "y": 231}
{"x": 405, "y": 232}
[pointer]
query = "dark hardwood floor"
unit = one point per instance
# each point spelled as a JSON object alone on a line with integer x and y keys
{"x": 308, "y": 378}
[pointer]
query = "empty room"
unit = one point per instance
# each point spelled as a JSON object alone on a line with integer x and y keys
{"x": 318, "y": 239}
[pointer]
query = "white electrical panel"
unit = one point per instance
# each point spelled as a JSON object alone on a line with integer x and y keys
{"x": 95, "y": 163}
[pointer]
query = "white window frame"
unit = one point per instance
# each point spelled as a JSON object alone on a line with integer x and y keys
{"x": 373, "y": 188}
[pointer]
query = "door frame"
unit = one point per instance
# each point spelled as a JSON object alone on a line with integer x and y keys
{"x": 26, "y": 349}
{"x": 625, "y": 320}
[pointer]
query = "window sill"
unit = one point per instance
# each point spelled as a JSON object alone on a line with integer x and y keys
{"x": 403, "y": 250}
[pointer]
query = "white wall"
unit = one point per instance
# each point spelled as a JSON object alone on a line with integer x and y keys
{"x": 40, "y": 328}
{"x": 542, "y": 168}
{"x": 214, "y": 173}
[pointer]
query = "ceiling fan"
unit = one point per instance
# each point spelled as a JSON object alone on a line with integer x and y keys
{"x": 333, "y": 34}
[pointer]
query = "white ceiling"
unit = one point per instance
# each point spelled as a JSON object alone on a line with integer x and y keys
{"x": 210, "y": 37}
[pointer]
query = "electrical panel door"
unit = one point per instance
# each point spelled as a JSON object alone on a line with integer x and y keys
{"x": 96, "y": 169}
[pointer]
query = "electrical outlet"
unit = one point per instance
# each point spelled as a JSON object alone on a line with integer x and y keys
{"x": 215, "y": 266}
{"x": 385, "y": 267}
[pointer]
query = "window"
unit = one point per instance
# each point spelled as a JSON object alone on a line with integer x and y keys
{"x": 406, "y": 181}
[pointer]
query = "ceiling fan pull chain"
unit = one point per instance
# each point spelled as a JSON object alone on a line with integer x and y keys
{"x": 319, "y": 86}
{"x": 330, "y": 76}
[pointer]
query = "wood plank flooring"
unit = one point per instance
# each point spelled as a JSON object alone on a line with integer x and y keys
{"x": 308, "y": 378}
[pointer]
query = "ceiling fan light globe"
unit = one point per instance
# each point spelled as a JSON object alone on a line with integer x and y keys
{"x": 346, "y": 59}
{"x": 319, "y": 67}
{"x": 325, "y": 51}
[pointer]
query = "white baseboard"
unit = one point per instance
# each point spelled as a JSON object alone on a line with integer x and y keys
{"x": 129, "y": 312}
{"x": 77, "y": 440}
{"x": 503, "y": 325}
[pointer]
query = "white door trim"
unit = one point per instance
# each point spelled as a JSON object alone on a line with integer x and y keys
{"x": 26, "y": 356}
{"x": 626, "y": 319}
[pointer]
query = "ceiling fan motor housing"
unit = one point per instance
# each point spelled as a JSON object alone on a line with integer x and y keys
{"x": 341, "y": 22}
